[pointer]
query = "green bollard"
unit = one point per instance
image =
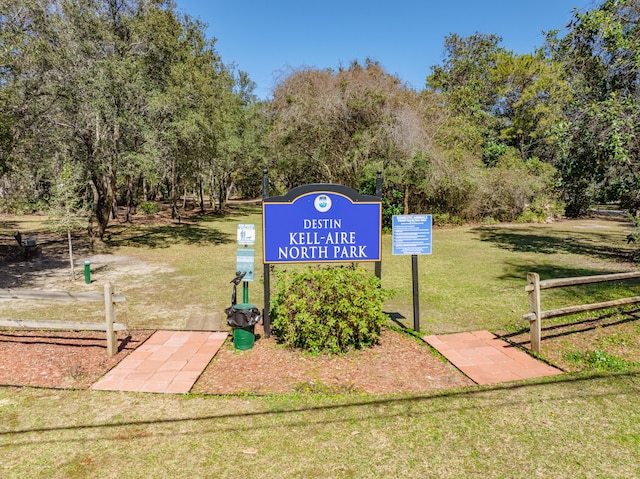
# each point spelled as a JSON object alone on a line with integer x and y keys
{"x": 87, "y": 271}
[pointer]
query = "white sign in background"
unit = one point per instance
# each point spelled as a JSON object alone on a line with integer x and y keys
{"x": 246, "y": 234}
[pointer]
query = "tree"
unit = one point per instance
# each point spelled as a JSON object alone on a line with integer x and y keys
{"x": 465, "y": 79}
{"x": 130, "y": 92}
{"x": 500, "y": 108}
{"x": 341, "y": 127}
{"x": 601, "y": 129}
{"x": 514, "y": 101}
{"x": 532, "y": 91}
{"x": 80, "y": 90}
{"x": 67, "y": 211}
{"x": 329, "y": 126}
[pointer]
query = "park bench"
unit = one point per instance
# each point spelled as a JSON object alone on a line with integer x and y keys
{"x": 29, "y": 247}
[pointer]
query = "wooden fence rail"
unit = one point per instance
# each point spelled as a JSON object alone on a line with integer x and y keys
{"x": 536, "y": 314}
{"x": 109, "y": 299}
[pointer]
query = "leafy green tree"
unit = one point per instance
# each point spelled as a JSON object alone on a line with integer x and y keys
{"x": 80, "y": 90}
{"x": 67, "y": 210}
{"x": 514, "y": 101}
{"x": 599, "y": 136}
{"x": 188, "y": 109}
{"x": 532, "y": 91}
{"x": 465, "y": 78}
{"x": 132, "y": 93}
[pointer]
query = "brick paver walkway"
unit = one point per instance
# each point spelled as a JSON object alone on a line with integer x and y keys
{"x": 167, "y": 362}
{"x": 172, "y": 361}
{"x": 488, "y": 360}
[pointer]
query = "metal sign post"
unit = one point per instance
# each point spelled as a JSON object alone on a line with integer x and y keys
{"x": 412, "y": 236}
{"x": 245, "y": 257}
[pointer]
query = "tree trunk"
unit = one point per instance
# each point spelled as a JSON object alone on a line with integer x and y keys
{"x": 129, "y": 199}
{"x": 103, "y": 188}
{"x": 201, "y": 194}
{"x": 73, "y": 271}
{"x": 174, "y": 191}
{"x": 407, "y": 192}
{"x": 212, "y": 192}
{"x": 114, "y": 208}
{"x": 145, "y": 196}
{"x": 221, "y": 195}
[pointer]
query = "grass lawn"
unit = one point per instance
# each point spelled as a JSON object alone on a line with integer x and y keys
{"x": 474, "y": 279}
{"x": 571, "y": 426}
{"x": 583, "y": 424}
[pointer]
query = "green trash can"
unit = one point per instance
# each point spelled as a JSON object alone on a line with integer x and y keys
{"x": 242, "y": 318}
{"x": 244, "y": 338}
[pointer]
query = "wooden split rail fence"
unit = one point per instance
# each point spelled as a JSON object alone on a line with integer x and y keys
{"x": 536, "y": 314}
{"x": 108, "y": 298}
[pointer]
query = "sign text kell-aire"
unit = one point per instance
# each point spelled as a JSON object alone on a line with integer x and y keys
{"x": 310, "y": 245}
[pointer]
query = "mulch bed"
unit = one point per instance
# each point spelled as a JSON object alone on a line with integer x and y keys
{"x": 60, "y": 359}
{"x": 399, "y": 364}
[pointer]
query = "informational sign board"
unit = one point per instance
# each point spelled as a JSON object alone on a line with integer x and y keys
{"x": 411, "y": 234}
{"x": 322, "y": 223}
{"x": 245, "y": 263}
{"x": 246, "y": 234}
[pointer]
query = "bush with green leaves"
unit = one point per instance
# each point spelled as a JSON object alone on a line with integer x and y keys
{"x": 149, "y": 207}
{"x": 328, "y": 310}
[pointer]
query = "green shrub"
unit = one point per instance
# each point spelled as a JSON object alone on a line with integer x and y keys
{"x": 328, "y": 310}
{"x": 22, "y": 206}
{"x": 489, "y": 220}
{"x": 599, "y": 360}
{"x": 528, "y": 216}
{"x": 149, "y": 207}
{"x": 445, "y": 219}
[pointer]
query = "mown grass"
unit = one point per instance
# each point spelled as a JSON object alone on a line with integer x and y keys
{"x": 585, "y": 426}
{"x": 474, "y": 279}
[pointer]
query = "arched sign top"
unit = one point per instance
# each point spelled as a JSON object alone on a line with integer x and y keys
{"x": 304, "y": 190}
{"x": 321, "y": 223}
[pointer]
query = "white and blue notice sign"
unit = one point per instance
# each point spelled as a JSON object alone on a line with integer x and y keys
{"x": 245, "y": 263}
{"x": 411, "y": 234}
{"x": 322, "y": 223}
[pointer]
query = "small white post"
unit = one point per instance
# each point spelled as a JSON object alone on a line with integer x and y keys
{"x": 535, "y": 328}
{"x": 110, "y": 317}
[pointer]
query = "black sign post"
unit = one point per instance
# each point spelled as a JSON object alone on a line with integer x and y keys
{"x": 266, "y": 318}
{"x": 416, "y": 293}
{"x": 412, "y": 236}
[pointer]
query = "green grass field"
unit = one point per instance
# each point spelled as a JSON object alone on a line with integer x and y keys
{"x": 474, "y": 279}
{"x": 584, "y": 424}
{"x": 574, "y": 426}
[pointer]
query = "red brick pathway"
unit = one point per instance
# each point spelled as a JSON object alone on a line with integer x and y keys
{"x": 167, "y": 362}
{"x": 488, "y": 360}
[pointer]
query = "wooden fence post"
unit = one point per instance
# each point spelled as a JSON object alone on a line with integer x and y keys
{"x": 535, "y": 328}
{"x": 110, "y": 317}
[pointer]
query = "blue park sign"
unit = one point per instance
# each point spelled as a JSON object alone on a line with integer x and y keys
{"x": 321, "y": 223}
{"x": 411, "y": 234}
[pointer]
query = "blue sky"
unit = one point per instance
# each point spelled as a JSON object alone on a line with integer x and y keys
{"x": 269, "y": 38}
